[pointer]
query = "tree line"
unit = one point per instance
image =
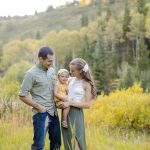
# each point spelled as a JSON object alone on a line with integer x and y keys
{"x": 117, "y": 48}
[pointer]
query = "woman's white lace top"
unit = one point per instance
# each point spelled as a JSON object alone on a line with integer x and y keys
{"x": 76, "y": 91}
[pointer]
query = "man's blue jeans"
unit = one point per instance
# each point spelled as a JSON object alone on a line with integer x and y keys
{"x": 43, "y": 122}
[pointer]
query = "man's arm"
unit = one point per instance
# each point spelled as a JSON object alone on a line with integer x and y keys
{"x": 26, "y": 87}
{"x": 27, "y": 100}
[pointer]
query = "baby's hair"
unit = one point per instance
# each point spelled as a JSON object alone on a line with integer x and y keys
{"x": 81, "y": 64}
{"x": 60, "y": 71}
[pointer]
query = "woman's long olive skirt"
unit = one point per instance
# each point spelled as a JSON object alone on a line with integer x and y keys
{"x": 75, "y": 130}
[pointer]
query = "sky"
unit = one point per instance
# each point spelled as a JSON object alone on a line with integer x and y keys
{"x": 26, "y": 7}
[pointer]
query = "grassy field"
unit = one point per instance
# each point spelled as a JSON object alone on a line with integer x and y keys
{"x": 18, "y": 137}
{"x": 119, "y": 121}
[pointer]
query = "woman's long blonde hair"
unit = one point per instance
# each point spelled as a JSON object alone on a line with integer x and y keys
{"x": 86, "y": 74}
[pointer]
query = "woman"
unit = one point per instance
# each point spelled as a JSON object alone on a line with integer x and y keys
{"x": 81, "y": 91}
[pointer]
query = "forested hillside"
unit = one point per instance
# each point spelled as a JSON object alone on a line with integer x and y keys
{"x": 113, "y": 37}
{"x": 67, "y": 17}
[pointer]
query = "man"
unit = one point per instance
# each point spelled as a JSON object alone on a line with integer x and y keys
{"x": 39, "y": 81}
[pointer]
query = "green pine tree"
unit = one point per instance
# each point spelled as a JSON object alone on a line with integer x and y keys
{"x": 142, "y": 57}
{"x": 84, "y": 20}
{"x": 100, "y": 66}
{"x": 114, "y": 60}
{"x": 38, "y": 35}
{"x": 85, "y": 47}
{"x": 126, "y": 21}
{"x": 145, "y": 80}
{"x": 128, "y": 79}
{"x": 141, "y": 7}
{"x": 67, "y": 60}
{"x": 1, "y": 51}
{"x": 98, "y": 3}
{"x": 86, "y": 50}
{"x": 108, "y": 13}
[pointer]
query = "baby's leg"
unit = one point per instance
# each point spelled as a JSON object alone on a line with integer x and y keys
{"x": 65, "y": 113}
{"x": 64, "y": 117}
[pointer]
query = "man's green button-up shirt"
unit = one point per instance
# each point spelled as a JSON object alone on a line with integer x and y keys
{"x": 40, "y": 83}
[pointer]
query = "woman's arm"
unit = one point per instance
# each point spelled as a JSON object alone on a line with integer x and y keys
{"x": 83, "y": 104}
{"x": 86, "y": 103}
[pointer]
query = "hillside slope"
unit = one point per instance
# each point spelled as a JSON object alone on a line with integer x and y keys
{"x": 38, "y": 25}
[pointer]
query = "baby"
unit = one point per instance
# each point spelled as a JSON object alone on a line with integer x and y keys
{"x": 60, "y": 92}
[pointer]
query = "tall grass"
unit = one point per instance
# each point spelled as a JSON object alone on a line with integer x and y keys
{"x": 16, "y": 127}
{"x": 14, "y": 137}
{"x": 103, "y": 139}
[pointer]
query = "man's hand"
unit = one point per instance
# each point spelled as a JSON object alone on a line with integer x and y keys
{"x": 41, "y": 109}
{"x": 33, "y": 104}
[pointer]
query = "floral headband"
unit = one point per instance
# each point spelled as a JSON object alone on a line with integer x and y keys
{"x": 86, "y": 68}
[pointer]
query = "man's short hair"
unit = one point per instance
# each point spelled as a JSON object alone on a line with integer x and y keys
{"x": 44, "y": 51}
